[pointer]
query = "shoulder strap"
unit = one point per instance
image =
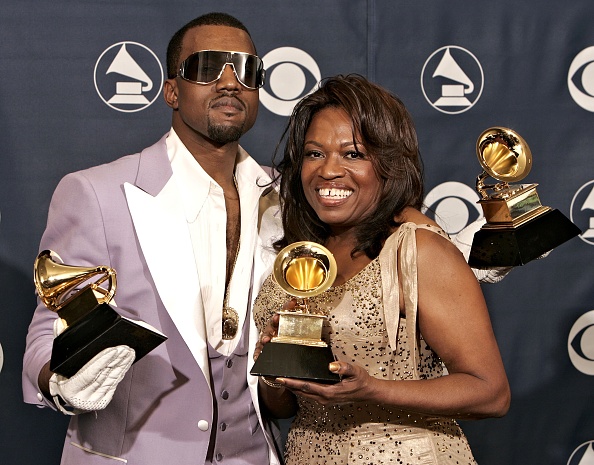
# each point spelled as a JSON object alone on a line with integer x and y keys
{"x": 399, "y": 248}
{"x": 435, "y": 229}
{"x": 400, "y": 251}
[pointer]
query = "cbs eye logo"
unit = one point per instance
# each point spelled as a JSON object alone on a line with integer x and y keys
{"x": 580, "y": 79}
{"x": 291, "y": 74}
{"x": 580, "y": 343}
{"x": 453, "y": 206}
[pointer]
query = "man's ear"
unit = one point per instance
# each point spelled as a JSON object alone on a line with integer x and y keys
{"x": 170, "y": 93}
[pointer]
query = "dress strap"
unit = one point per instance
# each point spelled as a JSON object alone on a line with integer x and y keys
{"x": 435, "y": 229}
{"x": 400, "y": 251}
{"x": 389, "y": 260}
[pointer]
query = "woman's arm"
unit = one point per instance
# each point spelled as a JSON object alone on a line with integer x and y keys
{"x": 278, "y": 401}
{"x": 454, "y": 321}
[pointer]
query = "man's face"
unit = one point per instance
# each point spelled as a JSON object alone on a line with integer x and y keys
{"x": 224, "y": 110}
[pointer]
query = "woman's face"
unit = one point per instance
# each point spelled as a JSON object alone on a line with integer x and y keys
{"x": 337, "y": 175}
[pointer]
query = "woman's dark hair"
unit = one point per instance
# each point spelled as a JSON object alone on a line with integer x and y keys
{"x": 387, "y": 131}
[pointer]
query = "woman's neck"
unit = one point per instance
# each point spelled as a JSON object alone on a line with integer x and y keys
{"x": 348, "y": 265}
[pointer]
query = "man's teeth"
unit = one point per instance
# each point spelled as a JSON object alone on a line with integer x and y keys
{"x": 336, "y": 193}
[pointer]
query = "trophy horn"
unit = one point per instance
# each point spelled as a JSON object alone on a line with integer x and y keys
{"x": 56, "y": 282}
{"x": 304, "y": 269}
{"x": 503, "y": 155}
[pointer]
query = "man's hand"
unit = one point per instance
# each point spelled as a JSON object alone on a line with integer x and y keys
{"x": 463, "y": 241}
{"x": 93, "y": 386}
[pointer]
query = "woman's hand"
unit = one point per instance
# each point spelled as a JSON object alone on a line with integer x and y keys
{"x": 355, "y": 385}
{"x": 271, "y": 329}
{"x": 266, "y": 336}
{"x": 278, "y": 401}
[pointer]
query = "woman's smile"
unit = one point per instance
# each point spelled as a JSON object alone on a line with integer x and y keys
{"x": 337, "y": 174}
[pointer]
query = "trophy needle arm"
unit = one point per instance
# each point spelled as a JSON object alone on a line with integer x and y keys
{"x": 481, "y": 187}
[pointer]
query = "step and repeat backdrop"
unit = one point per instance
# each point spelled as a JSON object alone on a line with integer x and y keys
{"x": 81, "y": 84}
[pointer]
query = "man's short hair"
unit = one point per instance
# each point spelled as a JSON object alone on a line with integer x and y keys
{"x": 209, "y": 19}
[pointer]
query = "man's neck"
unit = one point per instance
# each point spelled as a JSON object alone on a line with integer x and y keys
{"x": 218, "y": 164}
{"x": 218, "y": 161}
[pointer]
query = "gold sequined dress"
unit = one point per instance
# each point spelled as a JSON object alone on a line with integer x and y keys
{"x": 363, "y": 319}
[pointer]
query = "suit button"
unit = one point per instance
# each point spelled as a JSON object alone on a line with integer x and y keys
{"x": 223, "y": 426}
{"x": 225, "y": 395}
{"x": 219, "y": 457}
{"x": 203, "y": 425}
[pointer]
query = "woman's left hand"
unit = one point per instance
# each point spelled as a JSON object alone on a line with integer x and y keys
{"x": 355, "y": 385}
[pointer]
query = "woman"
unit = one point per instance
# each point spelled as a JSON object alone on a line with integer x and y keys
{"x": 404, "y": 308}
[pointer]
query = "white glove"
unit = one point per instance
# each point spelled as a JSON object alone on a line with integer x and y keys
{"x": 93, "y": 386}
{"x": 59, "y": 326}
{"x": 463, "y": 241}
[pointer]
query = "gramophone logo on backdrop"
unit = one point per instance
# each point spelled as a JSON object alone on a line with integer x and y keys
{"x": 452, "y": 79}
{"x": 128, "y": 77}
{"x": 453, "y": 206}
{"x": 580, "y": 79}
{"x": 583, "y": 455}
{"x": 291, "y": 74}
{"x": 580, "y": 344}
{"x": 582, "y": 211}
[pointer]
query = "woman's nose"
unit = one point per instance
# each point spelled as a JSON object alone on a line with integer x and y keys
{"x": 332, "y": 167}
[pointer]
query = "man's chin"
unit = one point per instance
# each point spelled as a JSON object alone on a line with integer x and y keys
{"x": 223, "y": 134}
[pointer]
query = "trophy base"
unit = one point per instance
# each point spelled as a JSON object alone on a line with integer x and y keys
{"x": 283, "y": 360}
{"x": 519, "y": 245}
{"x": 100, "y": 328}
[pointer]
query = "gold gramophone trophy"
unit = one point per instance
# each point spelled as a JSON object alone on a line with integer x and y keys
{"x": 519, "y": 228}
{"x": 303, "y": 270}
{"x": 80, "y": 296}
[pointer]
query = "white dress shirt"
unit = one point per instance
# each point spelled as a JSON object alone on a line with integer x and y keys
{"x": 204, "y": 205}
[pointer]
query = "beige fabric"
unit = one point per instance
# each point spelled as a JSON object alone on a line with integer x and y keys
{"x": 364, "y": 327}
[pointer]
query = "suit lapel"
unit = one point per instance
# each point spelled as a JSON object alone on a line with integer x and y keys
{"x": 161, "y": 228}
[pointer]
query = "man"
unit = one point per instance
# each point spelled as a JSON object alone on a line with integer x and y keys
{"x": 186, "y": 224}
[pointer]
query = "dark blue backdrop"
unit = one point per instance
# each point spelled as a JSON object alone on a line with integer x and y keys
{"x": 525, "y": 65}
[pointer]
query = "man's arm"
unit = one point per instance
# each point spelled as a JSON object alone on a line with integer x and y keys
{"x": 75, "y": 232}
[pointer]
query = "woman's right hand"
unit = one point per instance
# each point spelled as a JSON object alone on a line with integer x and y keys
{"x": 271, "y": 329}
{"x": 266, "y": 336}
{"x": 279, "y": 403}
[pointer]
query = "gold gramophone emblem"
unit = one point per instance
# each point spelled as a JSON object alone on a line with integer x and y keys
{"x": 81, "y": 296}
{"x": 518, "y": 228}
{"x": 303, "y": 270}
{"x": 505, "y": 156}
{"x": 58, "y": 284}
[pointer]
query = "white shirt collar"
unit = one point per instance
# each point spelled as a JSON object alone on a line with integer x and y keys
{"x": 196, "y": 184}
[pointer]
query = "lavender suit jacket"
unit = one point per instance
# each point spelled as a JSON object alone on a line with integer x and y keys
{"x": 127, "y": 215}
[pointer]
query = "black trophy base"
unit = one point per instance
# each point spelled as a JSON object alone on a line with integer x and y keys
{"x": 98, "y": 329}
{"x": 519, "y": 245}
{"x": 279, "y": 359}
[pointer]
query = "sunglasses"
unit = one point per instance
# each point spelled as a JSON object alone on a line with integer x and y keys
{"x": 207, "y": 66}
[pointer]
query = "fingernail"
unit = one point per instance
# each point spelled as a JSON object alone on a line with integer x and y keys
{"x": 334, "y": 367}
